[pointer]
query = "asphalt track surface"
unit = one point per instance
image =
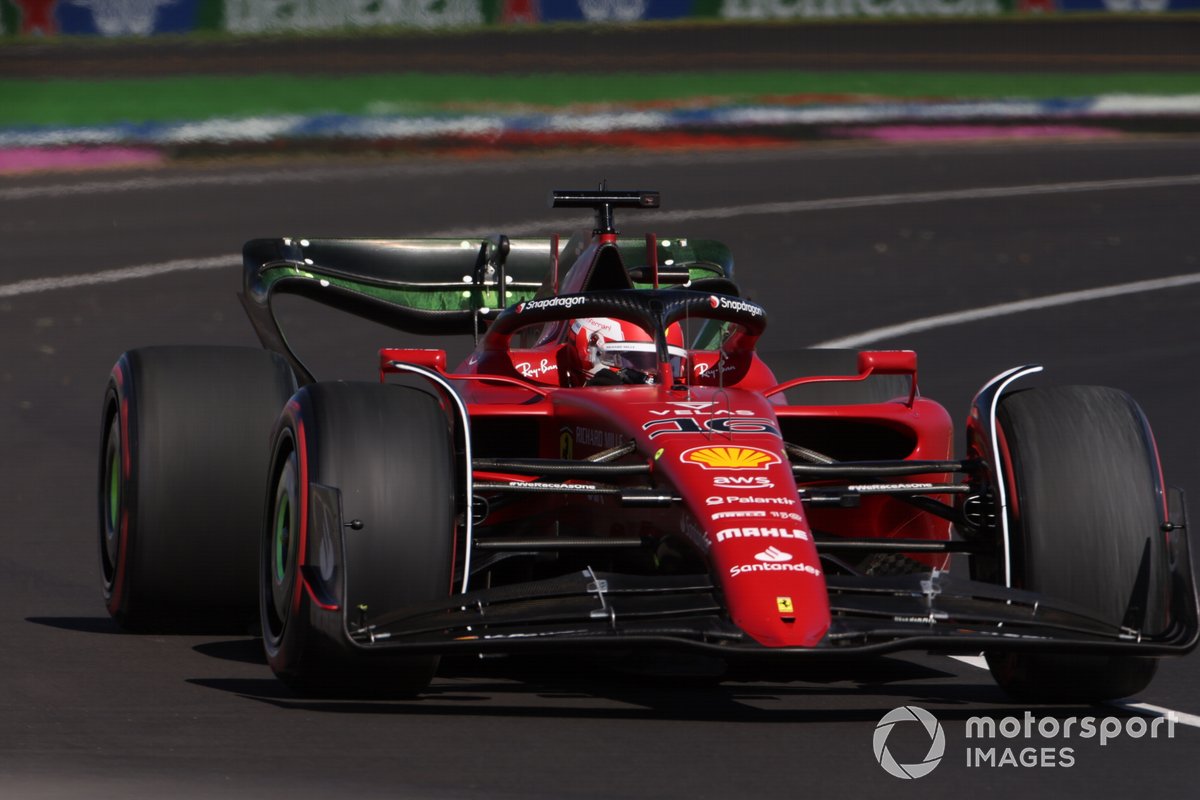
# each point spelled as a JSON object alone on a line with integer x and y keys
{"x": 1031, "y": 44}
{"x": 834, "y": 241}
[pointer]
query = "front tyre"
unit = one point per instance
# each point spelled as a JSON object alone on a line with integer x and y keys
{"x": 1085, "y": 515}
{"x": 389, "y": 453}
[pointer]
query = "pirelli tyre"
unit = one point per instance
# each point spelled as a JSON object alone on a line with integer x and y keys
{"x": 388, "y": 454}
{"x": 185, "y": 443}
{"x": 1085, "y": 515}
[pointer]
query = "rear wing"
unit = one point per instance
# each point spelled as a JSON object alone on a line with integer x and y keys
{"x": 437, "y": 286}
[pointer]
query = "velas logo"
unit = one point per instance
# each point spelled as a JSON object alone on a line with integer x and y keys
{"x": 909, "y": 721}
{"x": 725, "y": 458}
{"x": 773, "y": 555}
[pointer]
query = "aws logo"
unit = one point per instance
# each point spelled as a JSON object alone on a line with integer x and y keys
{"x": 742, "y": 482}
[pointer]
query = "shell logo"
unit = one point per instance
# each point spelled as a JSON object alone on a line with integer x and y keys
{"x": 729, "y": 457}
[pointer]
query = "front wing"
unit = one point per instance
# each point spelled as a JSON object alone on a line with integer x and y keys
{"x": 871, "y": 615}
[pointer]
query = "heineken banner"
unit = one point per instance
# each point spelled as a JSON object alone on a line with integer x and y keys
{"x": 29, "y": 18}
{"x": 263, "y": 16}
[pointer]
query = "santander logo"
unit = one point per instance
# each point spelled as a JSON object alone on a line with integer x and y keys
{"x": 773, "y": 555}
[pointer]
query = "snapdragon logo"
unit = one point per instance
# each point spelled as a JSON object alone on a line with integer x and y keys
{"x": 562, "y": 301}
{"x": 927, "y": 726}
{"x": 717, "y": 301}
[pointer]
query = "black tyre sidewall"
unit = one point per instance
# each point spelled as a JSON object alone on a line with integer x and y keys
{"x": 194, "y": 424}
{"x": 1087, "y": 508}
{"x": 389, "y": 452}
{"x": 114, "y": 582}
{"x": 1085, "y": 515}
{"x": 284, "y": 634}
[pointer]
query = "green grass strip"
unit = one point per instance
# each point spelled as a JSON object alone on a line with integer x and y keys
{"x": 75, "y": 102}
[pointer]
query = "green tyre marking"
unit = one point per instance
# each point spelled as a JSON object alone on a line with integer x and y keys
{"x": 282, "y": 537}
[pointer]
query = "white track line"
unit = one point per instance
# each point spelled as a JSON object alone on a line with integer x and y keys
{"x": 1005, "y": 309}
{"x": 947, "y": 195}
{"x": 898, "y": 199}
{"x": 1148, "y": 709}
{"x": 979, "y": 662}
{"x": 149, "y": 183}
{"x": 887, "y": 200}
{"x": 1158, "y": 711}
{"x": 318, "y": 175}
{"x": 40, "y": 285}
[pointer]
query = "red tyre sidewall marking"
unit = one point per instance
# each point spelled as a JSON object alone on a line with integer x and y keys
{"x": 302, "y": 548}
{"x": 1160, "y": 484}
{"x": 313, "y": 598}
{"x": 1010, "y": 479}
{"x": 454, "y": 555}
{"x": 301, "y": 583}
{"x": 1014, "y": 505}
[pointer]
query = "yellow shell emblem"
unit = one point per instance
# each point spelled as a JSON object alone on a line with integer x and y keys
{"x": 730, "y": 457}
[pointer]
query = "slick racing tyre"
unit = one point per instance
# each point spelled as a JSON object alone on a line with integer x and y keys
{"x": 1085, "y": 515}
{"x": 389, "y": 452}
{"x": 183, "y": 461}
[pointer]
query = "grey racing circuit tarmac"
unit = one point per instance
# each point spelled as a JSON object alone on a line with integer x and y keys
{"x": 1030, "y": 43}
{"x": 87, "y": 711}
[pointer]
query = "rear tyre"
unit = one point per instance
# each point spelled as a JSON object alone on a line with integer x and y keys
{"x": 389, "y": 451}
{"x": 183, "y": 455}
{"x": 1085, "y": 511}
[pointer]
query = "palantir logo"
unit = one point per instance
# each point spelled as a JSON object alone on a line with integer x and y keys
{"x": 931, "y": 727}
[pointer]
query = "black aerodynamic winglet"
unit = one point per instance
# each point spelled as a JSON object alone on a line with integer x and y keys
{"x": 603, "y": 202}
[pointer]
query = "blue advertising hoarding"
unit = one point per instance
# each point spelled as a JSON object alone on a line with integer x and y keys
{"x": 612, "y": 10}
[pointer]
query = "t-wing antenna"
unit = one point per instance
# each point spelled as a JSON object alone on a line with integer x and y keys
{"x": 603, "y": 201}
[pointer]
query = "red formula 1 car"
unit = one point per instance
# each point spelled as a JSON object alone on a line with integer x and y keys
{"x": 614, "y": 467}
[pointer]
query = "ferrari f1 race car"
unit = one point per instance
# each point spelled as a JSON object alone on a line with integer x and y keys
{"x": 614, "y": 468}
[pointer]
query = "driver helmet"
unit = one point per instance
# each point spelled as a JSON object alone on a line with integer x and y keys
{"x": 618, "y": 345}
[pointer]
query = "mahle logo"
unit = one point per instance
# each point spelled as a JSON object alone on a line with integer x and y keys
{"x": 927, "y": 727}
